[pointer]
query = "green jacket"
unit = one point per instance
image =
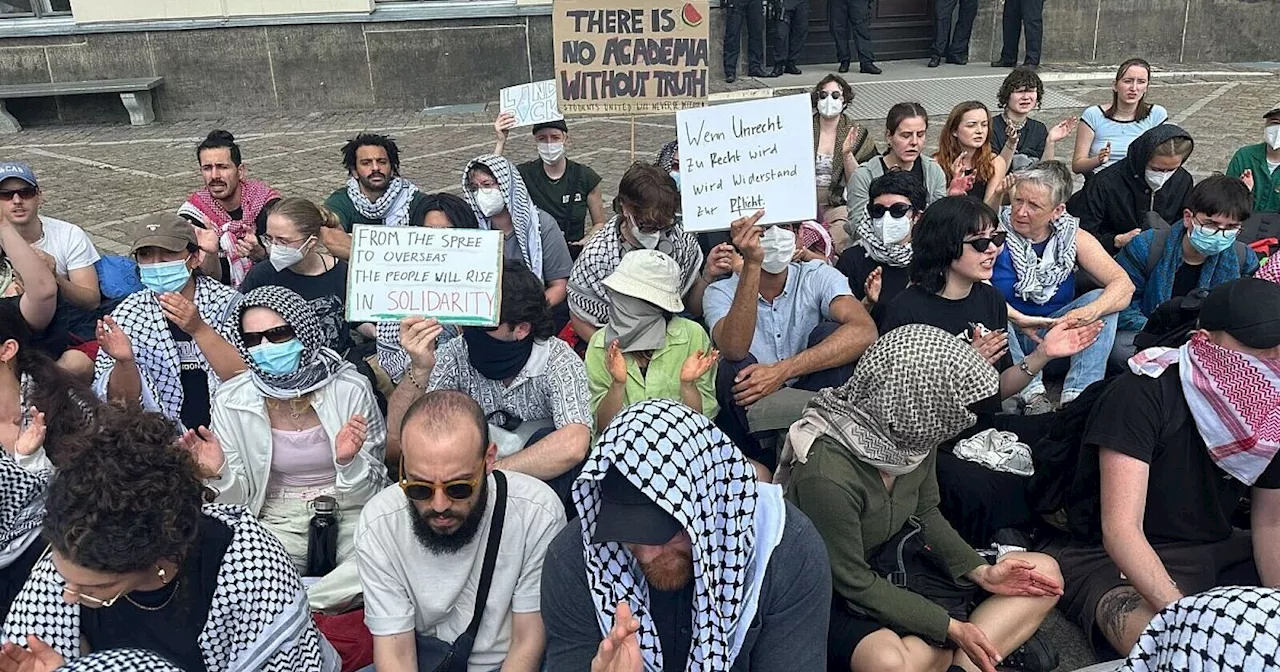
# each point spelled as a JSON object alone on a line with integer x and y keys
{"x": 1266, "y": 182}
{"x": 848, "y": 503}
{"x": 662, "y": 379}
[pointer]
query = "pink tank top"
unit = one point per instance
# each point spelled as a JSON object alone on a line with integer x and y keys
{"x": 301, "y": 458}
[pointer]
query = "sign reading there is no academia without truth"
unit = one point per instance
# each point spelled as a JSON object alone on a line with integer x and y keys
{"x": 453, "y": 275}
{"x": 630, "y": 56}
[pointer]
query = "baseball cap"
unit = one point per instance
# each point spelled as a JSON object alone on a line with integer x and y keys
{"x": 628, "y": 516}
{"x": 1273, "y": 114}
{"x": 1248, "y": 309}
{"x": 558, "y": 123}
{"x": 167, "y": 231}
{"x": 19, "y": 170}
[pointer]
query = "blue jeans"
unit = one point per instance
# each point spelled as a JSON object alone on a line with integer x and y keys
{"x": 1087, "y": 367}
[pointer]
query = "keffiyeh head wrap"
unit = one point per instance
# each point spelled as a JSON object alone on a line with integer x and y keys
{"x": 1233, "y": 629}
{"x": 120, "y": 660}
{"x": 392, "y": 207}
{"x": 892, "y": 254}
{"x": 910, "y": 391}
{"x": 1270, "y": 271}
{"x": 589, "y": 298}
{"x": 689, "y": 468}
{"x": 667, "y": 156}
{"x": 254, "y": 196}
{"x": 21, "y": 507}
{"x": 1040, "y": 274}
{"x": 1234, "y": 399}
{"x": 524, "y": 216}
{"x": 319, "y": 364}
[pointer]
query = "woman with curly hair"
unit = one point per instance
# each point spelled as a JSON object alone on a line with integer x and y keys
{"x": 963, "y": 151}
{"x": 136, "y": 558}
{"x": 41, "y": 406}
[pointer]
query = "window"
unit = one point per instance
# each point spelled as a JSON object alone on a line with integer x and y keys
{"x": 25, "y": 8}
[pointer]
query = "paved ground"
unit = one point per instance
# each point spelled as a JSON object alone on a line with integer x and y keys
{"x": 102, "y": 176}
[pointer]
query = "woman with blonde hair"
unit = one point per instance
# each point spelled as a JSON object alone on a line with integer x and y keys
{"x": 964, "y": 151}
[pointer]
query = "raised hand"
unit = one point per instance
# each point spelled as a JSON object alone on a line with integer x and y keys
{"x": 874, "y": 282}
{"x": 1063, "y": 129}
{"x": 350, "y": 439}
{"x": 1247, "y": 178}
{"x": 1011, "y": 139}
{"x": 1006, "y": 185}
{"x": 250, "y": 247}
{"x": 746, "y": 237}
{"x": 721, "y": 262}
{"x": 206, "y": 238}
{"x": 113, "y": 340}
{"x": 697, "y": 365}
{"x": 418, "y": 337}
{"x": 616, "y": 363}
{"x": 503, "y": 125}
{"x": 181, "y": 311}
{"x": 31, "y": 438}
{"x": 620, "y": 651}
{"x": 992, "y": 345}
{"x": 205, "y": 447}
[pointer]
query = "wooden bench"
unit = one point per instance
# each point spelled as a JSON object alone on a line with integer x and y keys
{"x": 135, "y": 93}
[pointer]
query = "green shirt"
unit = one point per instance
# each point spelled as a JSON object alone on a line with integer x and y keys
{"x": 340, "y": 203}
{"x": 1266, "y": 182}
{"x": 847, "y": 501}
{"x": 564, "y": 199}
{"x": 662, "y": 379}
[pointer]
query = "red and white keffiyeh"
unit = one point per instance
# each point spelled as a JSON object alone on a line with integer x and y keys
{"x": 1234, "y": 399}
{"x": 254, "y": 196}
{"x": 1270, "y": 271}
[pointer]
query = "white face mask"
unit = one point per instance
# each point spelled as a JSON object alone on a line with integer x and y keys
{"x": 1157, "y": 178}
{"x": 648, "y": 241}
{"x": 283, "y": 256}
{"x": 551, "y": 151}
{"x": 1273, "y": 136}
{"x": 830, "y": 107}
{"x": 779, "y": 246}
{"x": 892, "y": 229}
{"x": 490, "y": 201}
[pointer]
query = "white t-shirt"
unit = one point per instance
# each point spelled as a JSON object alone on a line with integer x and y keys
{"x": 68, "y": 244}
{"x": 407, "y": 588}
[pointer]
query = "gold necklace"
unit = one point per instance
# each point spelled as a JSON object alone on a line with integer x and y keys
{"x": 144, "y": 607}
{"x": 297, "y": 407}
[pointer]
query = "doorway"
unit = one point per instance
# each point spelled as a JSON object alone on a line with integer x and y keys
{"x": 900, "y": 29}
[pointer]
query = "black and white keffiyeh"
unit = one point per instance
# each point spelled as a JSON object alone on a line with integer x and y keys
{"x": 120, "y": 660}
{"x": 1233, "y": 629}
{"x": 1040, "y": 274}
{"x": 392, "y": 357}
{"x": 589, "y": 298}
{"x": 892, "y": 254}
{"x": 154, "y": 350}
{"x": 392, "y": 207}
{"x": 258, "y": 618}
{"x": 524, "y": 216}
{"x": 667, "y": 156}
{"x": 694, "y": 472}
{"x": 21, "y": 507}
{"x": 319, "y": 364}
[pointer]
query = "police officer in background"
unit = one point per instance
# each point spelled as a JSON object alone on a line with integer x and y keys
{"x": 791, "y": 25}
{"x": 752, "y": 11}
{"x": 856, "y": 14}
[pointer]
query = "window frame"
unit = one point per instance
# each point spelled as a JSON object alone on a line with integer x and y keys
{"x": 38, "y": 11}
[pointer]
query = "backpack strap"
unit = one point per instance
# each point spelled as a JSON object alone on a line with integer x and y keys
{"x": 490, "y": 551}
{"x": 1157, "y": 250}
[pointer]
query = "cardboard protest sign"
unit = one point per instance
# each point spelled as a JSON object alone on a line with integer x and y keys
{"x": 630, "y": 56}
{"x": 531, "y": 103}
{"x": 453, "y": 275}
{"x": 739, "y": 158}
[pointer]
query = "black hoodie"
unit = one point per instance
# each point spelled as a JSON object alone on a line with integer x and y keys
{"x": 1116, "y": 200}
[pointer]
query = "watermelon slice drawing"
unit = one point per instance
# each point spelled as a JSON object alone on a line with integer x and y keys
{"x": 690, "y": 15}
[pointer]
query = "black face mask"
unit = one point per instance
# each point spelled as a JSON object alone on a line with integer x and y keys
{"x": 495, "y": 359}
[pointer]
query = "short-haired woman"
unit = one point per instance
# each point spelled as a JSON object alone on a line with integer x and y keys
{"x": 1020, "y": 94}
{"x": 877, "y": 265}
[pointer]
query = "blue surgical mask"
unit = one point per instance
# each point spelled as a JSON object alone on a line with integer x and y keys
{"x": 675, "y": 175}
{"x": 1208, "y": 241}
{"x": 277, "y": 359}
{"x": 166, "y": 276}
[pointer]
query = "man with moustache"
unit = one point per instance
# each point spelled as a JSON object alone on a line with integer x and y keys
{"x": 230, "y": 212}
{"x": 421, "y": 544}
{"x": 375, "y": 192}
{"x": 681, "y": 559}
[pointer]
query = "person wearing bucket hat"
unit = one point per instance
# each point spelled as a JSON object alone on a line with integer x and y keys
{"x": 166, "y": 346}
{"x": 1169, "y": 453}
{"x": 646, "y": 351}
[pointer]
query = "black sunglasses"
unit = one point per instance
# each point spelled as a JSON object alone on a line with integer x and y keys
{"x": 281, "y": 334}
{"x": 897, "y": 210}
{"x": 981, "y": 244}
{"x": 25, "y": 193}
{"x": 822, "y": 95}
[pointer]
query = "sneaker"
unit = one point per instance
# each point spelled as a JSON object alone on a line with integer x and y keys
{"x": 1036, "y": 655}
{"x": 1038, "y": 404}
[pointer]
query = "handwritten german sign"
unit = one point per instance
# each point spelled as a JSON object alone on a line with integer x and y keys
{"x": 453, "y": 275}
{"x": 630, "y": 56}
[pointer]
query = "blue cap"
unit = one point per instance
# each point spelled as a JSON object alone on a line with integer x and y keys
{"x": 21, "y": 171}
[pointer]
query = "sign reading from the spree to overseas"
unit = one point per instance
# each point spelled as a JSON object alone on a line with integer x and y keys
{"x": 630, "y": 56}
{"x": 739, "y": 158}
{"x": 453, "y": 275}
{"x": 531, "y": 103}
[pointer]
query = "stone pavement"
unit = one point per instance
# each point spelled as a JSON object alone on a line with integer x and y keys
{"x": 101, "y": 177}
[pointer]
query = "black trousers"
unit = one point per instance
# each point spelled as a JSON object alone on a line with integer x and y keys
{"x": 793, "y": 30}
{"x": 1019, "y": 13}
{"x": 752, "y": 12}
{"x": 947, "y": 44}
{"x": 855, "y": 14}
